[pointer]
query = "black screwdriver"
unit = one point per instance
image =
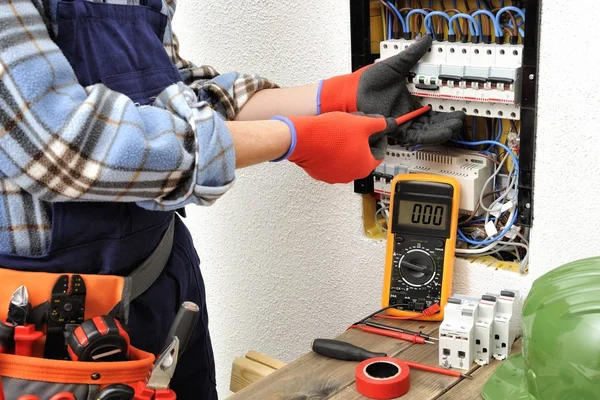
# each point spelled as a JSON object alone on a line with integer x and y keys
{"x": 349, "y": 352}
{"x": 342, "y": 350}
{"x": 184, "y": 324}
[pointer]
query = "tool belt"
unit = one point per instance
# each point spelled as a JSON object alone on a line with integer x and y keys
{"x": 59, "y": 303}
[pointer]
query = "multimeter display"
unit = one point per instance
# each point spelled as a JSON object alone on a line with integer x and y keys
{"x": 418, "y": 213}
{"x": 421, "y": 240}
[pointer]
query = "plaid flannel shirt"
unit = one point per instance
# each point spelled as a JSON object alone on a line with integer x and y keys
{"x": 61, "y": 142}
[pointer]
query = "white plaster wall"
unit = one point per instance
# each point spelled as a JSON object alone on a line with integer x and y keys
{"x": 284, "y": 258}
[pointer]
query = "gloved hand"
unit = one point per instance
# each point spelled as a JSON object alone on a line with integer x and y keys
{"x": 338, "y": 147}
{"x": 381, "y": 89}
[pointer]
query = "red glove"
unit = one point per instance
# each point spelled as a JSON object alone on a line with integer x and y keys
{"x": 338, "y": 147}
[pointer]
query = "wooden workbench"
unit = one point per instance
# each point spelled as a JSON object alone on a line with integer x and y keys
{"x": 313, "y": 377}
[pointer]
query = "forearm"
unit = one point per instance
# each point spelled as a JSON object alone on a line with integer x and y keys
{"x": 256, "y": 142}
{"x": 265, "y": 104}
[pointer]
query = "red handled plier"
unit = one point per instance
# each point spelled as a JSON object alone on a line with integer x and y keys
{"x": 156, "y": 386}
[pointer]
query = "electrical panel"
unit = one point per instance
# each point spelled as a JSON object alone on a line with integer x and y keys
{"x": 483, "y": 62}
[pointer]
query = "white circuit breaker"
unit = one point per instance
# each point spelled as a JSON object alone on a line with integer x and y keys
{"x": 476, "y": 329}
{"x": 469, "y": 168}
{"x": 505, "y": 327}
{"x": 484, "y": 329}
{"x": 483, "y": 80}
{"x": 457, "y": 340}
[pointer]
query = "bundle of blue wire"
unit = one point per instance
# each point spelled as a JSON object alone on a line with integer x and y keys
{"x": 475, "y": 25}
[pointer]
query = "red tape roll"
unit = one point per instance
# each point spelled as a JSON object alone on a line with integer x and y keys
{"x": 382, "y": 378}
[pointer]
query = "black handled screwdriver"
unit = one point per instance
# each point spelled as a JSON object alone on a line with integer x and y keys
{"x": 184, "y": 324}
{"x": 342, "y": 350}
{"x": 349, "y": 352}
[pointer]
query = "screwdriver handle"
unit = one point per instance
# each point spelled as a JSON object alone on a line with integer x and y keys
{"x": 342, "y": 350}
{"x": 184, "y": 324}
{"x": 396, "y": 335}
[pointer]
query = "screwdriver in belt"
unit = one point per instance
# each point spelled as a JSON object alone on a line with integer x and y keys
{"x": 410, "y": 337}
{"x": 349, "y": 352}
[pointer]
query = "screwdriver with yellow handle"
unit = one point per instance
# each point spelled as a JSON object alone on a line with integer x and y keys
{"x": 348, "y": 352}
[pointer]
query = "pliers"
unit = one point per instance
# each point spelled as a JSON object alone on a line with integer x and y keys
{"x": 156, "y": 387}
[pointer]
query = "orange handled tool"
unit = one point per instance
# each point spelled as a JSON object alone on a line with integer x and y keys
{"x": 413, "y": 114}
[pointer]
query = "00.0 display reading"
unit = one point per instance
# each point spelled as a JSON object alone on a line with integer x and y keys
{"x": 417, "y": 213}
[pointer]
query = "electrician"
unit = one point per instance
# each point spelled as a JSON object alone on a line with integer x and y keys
{"x": 107, "y": 133}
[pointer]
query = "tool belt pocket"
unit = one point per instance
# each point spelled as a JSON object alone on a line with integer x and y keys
{"x": 44, "y": 379}
{"x": 66, "y": 321}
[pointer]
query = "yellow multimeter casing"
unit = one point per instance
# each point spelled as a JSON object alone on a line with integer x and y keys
{"x": 421, "y": 241}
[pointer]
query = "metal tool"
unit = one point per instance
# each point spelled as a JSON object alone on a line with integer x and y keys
{"x": 66, "y": 307}
{"x": 348, "y": 352}
{"x": 342, "y": 351}
{"x": 389, "y": 333}
{"x": 401, "y": 330}
{"x": 116, "y": 392}
{"x": 24, "y": 334}
{"x": 157, "y": 385}
{"x": 184, "y": 324}
{"x": 19, "y": 307}
{"x": 99, "y": 339}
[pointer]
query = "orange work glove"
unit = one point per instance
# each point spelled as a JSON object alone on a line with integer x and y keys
{"x": 338, "y": 147}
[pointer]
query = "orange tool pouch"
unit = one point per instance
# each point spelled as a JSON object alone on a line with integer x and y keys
{"x": 105, "y": 295}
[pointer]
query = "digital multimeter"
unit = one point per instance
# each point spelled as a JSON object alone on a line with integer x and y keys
{"x": 420, "y": 244}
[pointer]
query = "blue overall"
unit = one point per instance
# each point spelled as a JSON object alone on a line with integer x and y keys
{"x": 121, "y": 46}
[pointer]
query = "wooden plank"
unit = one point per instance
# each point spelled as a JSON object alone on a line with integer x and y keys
{"x": 314, "y": 376}
{"x": 469, "y": 389}
{"x": 423, "y": 385}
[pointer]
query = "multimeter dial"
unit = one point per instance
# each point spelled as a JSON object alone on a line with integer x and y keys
{"x": 417, "y": 268}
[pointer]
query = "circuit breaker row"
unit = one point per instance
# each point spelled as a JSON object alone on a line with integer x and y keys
{"x": 477, "y": 329}
{"x": 482, "y": 80}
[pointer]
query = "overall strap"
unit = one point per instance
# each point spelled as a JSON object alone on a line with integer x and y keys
{"x": 146, "y": 274}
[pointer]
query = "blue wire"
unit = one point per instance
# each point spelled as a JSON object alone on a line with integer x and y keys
{"x": 430, "y": 3}
{"x": 509, "y": 8}
{"x": 501, "y": 3}
{"x": 473, "y": 27}
{"x": 478, "y": 4}
{"x": 431, "y": 14}
{"x": 496, "y": 143}
{"x": 391, "y": 4}
{"x": 389, "y": 24}
{"x": 454, "y": 4}
{"x": 410, "y": 14}
{"x": 498, "y": 135}
{"x": 492, "y": 240}
{"x": 497, "y": 28}
{"x": 521, "y": 31}
{"x": 473, "y": 130}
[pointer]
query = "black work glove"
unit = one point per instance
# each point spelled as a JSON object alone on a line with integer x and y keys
{"x": 381, "y": 89}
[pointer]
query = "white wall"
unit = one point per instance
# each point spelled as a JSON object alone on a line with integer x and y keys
{"x": 284, "y": 258}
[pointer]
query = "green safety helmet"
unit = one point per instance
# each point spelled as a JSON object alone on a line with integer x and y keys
{"x": 560, "y": 359}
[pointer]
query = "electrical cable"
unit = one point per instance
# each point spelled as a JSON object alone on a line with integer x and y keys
{"x": 398, "y": 15}
{"x": 509, "y": 8}
{"x": 460, "y": 28}
{"x": 497, "y": 27}
{"x": 473, "y": 27}
{"x": 479, "y": 143}
{"x": 513, "y": 219}
{"x": 410, "y": 14}
{"x": 434, "y": 13}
